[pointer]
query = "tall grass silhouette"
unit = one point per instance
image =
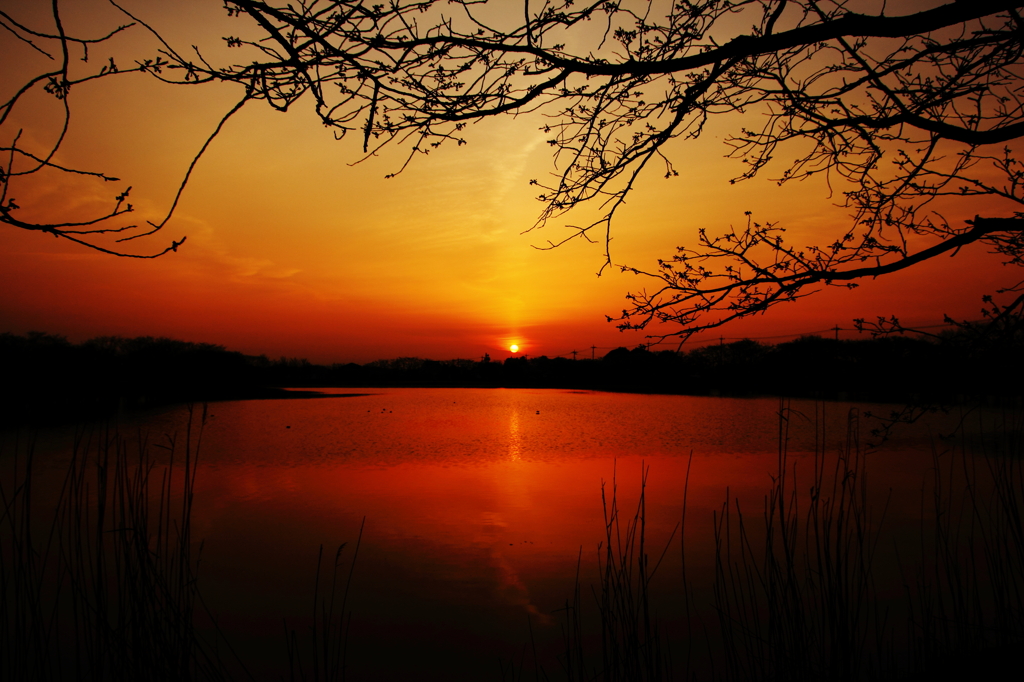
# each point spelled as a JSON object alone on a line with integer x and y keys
{"x": 99, "y": 579}
{"x": 100, "y": 583}
{"x": 796, "y": 597}
{"x": 814, "y": 585}
{"x": 327, "y": 658}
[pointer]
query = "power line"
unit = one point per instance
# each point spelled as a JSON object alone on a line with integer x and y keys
{"x": 722, "y": 339}
{"x": 835, "y": 329}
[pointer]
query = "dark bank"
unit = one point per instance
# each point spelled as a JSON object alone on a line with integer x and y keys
{"x": 50, "y": 379}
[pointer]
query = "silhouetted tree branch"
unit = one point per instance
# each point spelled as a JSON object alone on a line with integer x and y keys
{"x": 898, "y": 112}
{"x": 22, "y": 161}
{"x": 910, "y": 117}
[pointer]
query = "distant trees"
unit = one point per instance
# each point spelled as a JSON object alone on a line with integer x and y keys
{"x": 48, "y": 378}
{"x": 912, "y": 114}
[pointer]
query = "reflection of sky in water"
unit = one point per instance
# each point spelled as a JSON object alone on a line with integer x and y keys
{"x": 477, "y": 505}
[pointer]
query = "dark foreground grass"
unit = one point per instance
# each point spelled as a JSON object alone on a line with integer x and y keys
{"x": 630, "y": 645}
{"x": 816, "y": 585}
{"x": 795, "y": 591}
{"x": 100, "y": 582}
{"x": 326, "y": 654}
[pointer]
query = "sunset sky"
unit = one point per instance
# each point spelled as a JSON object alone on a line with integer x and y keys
{"x": 294, "y": 251}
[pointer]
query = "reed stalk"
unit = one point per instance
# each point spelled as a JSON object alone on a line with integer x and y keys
{"x": 98, "y": 581}
{"x": 797, "y": 600}
{"x": 631, "y": 645}
{"x": 967, "y": 603}
{"x": 798, "y": 592}
{"x": 330, "y": 625}
{"x": 100, "y": 584}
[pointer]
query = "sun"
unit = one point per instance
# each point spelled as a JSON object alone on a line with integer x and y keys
{"x": 514, "y": 348}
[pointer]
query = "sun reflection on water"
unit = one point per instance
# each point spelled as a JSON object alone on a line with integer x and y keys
{"x": 515, "y": 444}
{"x": 482, "y": 506}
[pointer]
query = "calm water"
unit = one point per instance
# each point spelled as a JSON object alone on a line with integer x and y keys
{"x": 477, "y": 506}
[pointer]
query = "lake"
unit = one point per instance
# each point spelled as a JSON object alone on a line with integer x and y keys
{"x": 480, "y": 507}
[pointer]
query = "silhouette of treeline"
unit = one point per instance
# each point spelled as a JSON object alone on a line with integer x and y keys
{"x": 47, "y": 375}
{"x": 47, "y": 378}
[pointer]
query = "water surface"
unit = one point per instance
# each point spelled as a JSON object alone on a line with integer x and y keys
{"x": 479, "y": 505}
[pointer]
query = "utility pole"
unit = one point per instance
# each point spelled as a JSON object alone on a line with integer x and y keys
{"x": 593, "y": 352}
{"x": 573, "y": 355}
{"x": 837, "y": 332}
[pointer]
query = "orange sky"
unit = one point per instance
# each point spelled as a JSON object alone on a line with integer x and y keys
{"x": 293, "y": 251}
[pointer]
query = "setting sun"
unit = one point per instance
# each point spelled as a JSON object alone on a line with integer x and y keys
{"x": 514, "y": 348}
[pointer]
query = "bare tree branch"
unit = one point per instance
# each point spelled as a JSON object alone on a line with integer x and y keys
{"x": 21, "y": 163}
{"x": 900, "y": 114}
